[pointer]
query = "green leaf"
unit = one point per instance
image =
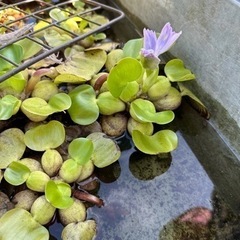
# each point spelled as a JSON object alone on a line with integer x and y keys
{"x": 99, "y": 36}
{"x": 19, "y": 224}
{"x": 70, "y": 170}
{"x": 149, "y": 78}
{"x": 13, "y": 52}
{"x": 194, "y": 101}
{"x": 12, "y": 146}
{"x": 144, "y": 111}
{"x": 176, "y": 72}
{"x": 71, "y": 24}
{"x": 79, "y": 5}
{"x": 106, "y": 151}
{"x": 159, "y": 89}
{"x": 161, "y": 142}
{"x": 30, "y": 48}
{"x": 96, "y": 18}
{"x": 108, "y": 104}
{"x": 9, "y": 105}
{"x": 130, "y": 91}
{"x": 60, "y": 102}
{"x": 70, "y": 51}
{"x": 84, "y": 109}
{"x": 80, "y": 149}
{"x": 58, "y": 15}
{"x": 16, "y": 173}
{"x": 37, "y": 181}
{"x": 37, "y": 109}
{"x": 16, "y": 83}
{"x": 69, "y": 78}
{"x": 45, "y": 136}
{"x": 127, "y": 70}
{"x": 59, "y": 194}
{"x": 86, "y": 230}
{"x": 83, "y": 65}
{"x": 64, "y": 188}
{"x": 55, "y": 39}
{"x": 42, "y": 210}
{"x": 132, "y": 48}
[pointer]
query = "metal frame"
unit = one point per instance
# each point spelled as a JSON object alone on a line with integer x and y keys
{"x": 45, "y": 7}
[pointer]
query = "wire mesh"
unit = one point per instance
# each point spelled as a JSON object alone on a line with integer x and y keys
{"x": 22, "y": 27}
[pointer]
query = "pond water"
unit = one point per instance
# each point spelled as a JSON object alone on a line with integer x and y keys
{"x": 169, "y": 196}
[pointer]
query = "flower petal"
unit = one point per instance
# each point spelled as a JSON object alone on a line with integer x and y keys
{"x": 166, "y": 39}
{"x": 149, "y": 38}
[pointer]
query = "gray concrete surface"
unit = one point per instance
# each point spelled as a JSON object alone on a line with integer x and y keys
{"x": 209, "y": 46}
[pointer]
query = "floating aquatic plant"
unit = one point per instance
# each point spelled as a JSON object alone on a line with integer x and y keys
{"x": 72, "y": 109}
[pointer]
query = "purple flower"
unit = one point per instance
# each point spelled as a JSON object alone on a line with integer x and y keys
{"x": 153, "y": 46}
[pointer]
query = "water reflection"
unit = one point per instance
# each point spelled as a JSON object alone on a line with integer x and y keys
{"x": 109, "y": 174}
{"x": 137, "y": 209}
{"x": 175, "y": 200}
{"x": 147, "y": 167}
{"x": 194, "y": 224}
{"x": 204, "y": 224}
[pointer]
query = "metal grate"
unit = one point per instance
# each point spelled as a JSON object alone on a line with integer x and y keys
{"x": 41, "y": 9}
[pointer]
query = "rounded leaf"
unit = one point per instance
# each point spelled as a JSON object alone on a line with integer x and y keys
{"x": 80, "y": 149}
{"x": 42, "y": 211}
{"x": 45, "y": 136}
{"x": 55, "y": 38}
{"x": 37, "y": 181}
{"x": 133, "y": 47}
{"x": 30, "y": 48}
{"x": 113, "y": 57}
{"x": 163, "y": 141}
{"x": 127, "y": 70}
{"x": 82, "y": 66}
{"x": 12, "y": 146}
{"x": 58, "y": 15}
{"x": 108, "y": 104}
{"x": 19, "y": 224}
{"x": 144, "y": 127}
{"x": 86, "y": 230}
{"x": 37, "y": 109}
{"x": 9, "y": 105}
{"x": 70, "y": 170}
{"x": 75, "y": 213}
{"x": 144, "y": 111}
{"x": 14, "y": 84}
{"x": 84, "y": 109}
{"x": 59, "y": 194}
{"x": 14, "y": 53}
{"x": 60, "y": 102}
{"x": 45, "y": 89}
{"x": 51, "y": 161}
{"x": 16, "y": 173}
{"x": 69, "y": 78}
{"x": 106, "y": 151}
{"x": 130, "y": 91}
{"x": 159, "y": 89}
{"x": 175, "y": 71}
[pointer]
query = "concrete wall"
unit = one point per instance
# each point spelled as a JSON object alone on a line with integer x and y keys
{"x": 209, "y": 46}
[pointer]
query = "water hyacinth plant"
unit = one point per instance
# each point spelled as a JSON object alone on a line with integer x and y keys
{"x": 154, "y": 46}
{"x": 61, "y": 117}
